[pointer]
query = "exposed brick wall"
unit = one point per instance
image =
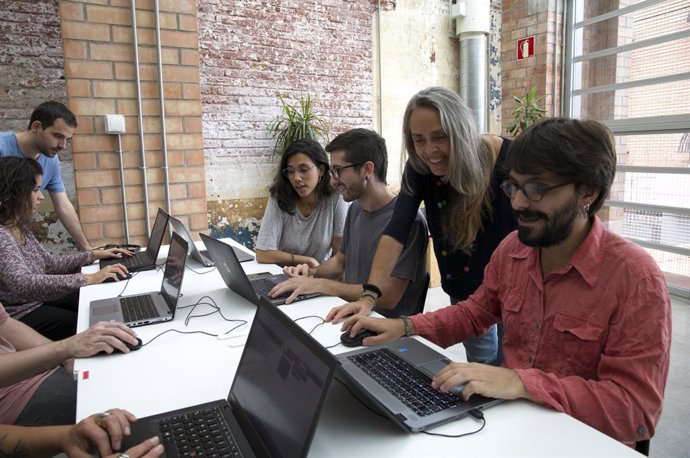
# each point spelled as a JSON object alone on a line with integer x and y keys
{"x": 31, "y": 72}
{"x": 99, "y": 66}
{"x": 253, "y": 50}
{"x": 524, "y": 18}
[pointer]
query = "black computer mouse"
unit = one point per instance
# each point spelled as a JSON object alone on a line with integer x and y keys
{"x": 355, "y": 341}
{"x": 131, "y": 347}
{"x": 119, "y": 277}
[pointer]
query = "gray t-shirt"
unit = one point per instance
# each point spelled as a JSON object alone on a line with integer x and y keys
{"x": 303, "y": 235}
{"x": 360, "y": 239}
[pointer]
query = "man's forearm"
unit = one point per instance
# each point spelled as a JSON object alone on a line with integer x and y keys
{"x": 69, "y": 218}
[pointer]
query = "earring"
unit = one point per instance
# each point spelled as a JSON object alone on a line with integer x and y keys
{"x": 585, "y": 210}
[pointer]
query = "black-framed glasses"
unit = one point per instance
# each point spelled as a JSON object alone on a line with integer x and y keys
{"x": 302, "y": 170}
{"x": 336, "y": 170}
{"x": 533, "y": 191}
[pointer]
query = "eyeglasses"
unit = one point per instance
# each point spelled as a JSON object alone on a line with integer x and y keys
{"x": 302, "y": 170}
{"x": 533, "y": 191}
{"x": 337, "y": 170}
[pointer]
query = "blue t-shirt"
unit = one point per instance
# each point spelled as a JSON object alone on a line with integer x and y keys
{"x": 52, "y": 179}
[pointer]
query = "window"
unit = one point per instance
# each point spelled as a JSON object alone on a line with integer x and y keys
{"x": 628, "y": 65}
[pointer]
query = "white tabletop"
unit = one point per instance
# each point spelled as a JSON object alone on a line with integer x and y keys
{"x": 180, "y": 370}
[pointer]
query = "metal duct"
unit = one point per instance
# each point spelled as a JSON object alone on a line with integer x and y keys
{"x": 472, "y": 27}
{"x": 474, "y": 76}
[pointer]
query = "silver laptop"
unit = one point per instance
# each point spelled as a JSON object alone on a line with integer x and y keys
{"x": 144, "y": 260}
{"x": 405, "y": 367}
{"x": 273, "y": 406}
{"x": 149, "y": 308}
{"x": 202, "y": 255}
{"x": 251, "y": 287}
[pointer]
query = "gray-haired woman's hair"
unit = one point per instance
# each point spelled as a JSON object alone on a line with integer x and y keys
{"x": 470, "y": 163}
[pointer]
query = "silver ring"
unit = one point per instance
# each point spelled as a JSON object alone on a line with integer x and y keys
{"x": 122, "y": 455}
{"x": 100, "y": 418}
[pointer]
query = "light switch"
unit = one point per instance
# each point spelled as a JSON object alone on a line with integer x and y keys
{"x": 114, "y": 124}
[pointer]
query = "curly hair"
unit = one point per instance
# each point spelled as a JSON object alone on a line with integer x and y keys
{"x": 281, "y": 189}
{"x": 583, "y": 151}
{"x": 17, "y": 181}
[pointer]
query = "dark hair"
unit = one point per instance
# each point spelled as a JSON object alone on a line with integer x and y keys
{"x": 360, "y": 146}
{"x": 47, "y": 112}
{"x": 17, "y": 180}
{"x": 282, "y": 190}
{"x": 583, "y": 152}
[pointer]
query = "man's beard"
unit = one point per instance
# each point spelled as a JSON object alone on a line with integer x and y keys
{"x": 555, "y": 230}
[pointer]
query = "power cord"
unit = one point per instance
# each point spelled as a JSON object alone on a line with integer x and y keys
{"x": 315, "y": 327}
{"x": 474, "y": 413}
{"x": 211, "y": 269}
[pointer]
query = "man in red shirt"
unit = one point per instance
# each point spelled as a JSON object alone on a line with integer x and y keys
{"x": 587, "y": 313}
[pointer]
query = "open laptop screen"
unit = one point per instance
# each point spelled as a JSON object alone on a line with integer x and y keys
{"x": 174, "y": 268}
{"x": 157, "y": 234}
{"x": 281, "y": 383}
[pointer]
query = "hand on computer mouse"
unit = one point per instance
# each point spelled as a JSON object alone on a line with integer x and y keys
{"x": 120, "y": 276}
{"x": 131, "y": 347}
{"x": 355, "y": 341}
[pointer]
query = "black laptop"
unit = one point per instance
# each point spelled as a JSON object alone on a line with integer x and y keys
{"x": 148, "y": 308}
{"x": 202, "y": 256}
{"x": 274, "y": 404}
{"x": 395, "y": 377}
{"x": 144, "y": 260}
{"x": 251, "y": 287}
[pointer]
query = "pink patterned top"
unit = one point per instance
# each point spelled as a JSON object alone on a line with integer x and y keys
{"x": 13, "y": 398}
{"x": 30, "y": 275}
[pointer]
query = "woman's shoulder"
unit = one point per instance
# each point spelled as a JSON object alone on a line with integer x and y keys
{"x": 495, "y": 142}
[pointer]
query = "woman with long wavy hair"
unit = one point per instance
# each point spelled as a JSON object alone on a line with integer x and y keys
{"x": 305, "y": 218}
{"x": 37, "y": 287}
{"x": 456, "y": 172}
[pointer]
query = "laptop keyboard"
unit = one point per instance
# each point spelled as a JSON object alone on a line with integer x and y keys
{"x": 138, "y": 260}
{"x": 263, "y": 285}
{"x": 404, "y": 381}
{"x": 137, "y": 308}
{"x": 199, "y": 433}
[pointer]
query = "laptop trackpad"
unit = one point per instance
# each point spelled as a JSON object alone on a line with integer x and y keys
{"x": 105, "y": 309}
{"x": 432, "y": 368}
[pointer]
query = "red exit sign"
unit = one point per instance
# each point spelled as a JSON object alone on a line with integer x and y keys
{"x": 525, "y": 48}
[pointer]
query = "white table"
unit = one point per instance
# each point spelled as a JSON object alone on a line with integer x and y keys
{"x": 179, "y": 370}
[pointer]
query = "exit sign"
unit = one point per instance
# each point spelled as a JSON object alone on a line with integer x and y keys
{"x": 525, "y": 48}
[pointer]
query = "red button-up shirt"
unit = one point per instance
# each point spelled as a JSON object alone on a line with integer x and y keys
{"x": 591, "y": 339}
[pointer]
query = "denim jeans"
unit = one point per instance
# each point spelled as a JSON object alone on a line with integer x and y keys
{"x": 487, "y": 348}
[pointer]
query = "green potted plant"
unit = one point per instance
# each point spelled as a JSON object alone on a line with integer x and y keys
{"x": 297, "y": 121}
{"x": 526, "y": 112}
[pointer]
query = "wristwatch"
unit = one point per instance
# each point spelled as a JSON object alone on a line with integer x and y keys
{"x": 373, "y": 290}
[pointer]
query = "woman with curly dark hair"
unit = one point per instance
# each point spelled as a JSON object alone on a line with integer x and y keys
{"x": 37, "y": 287}
{"x": 304, "y": 218}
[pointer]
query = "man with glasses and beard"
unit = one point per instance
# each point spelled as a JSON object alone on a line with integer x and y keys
{"x": 359, "y": 161}
{"x": 587, "y": 313}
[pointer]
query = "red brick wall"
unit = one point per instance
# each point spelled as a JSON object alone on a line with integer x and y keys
{"x": 99, "y": 66}
{"x": 518, "y": 76}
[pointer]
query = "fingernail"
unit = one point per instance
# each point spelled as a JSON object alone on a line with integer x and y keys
{"x": 117, "y": 445}
{"x": 127, "y": 431}
{"x": 156, "y": 440}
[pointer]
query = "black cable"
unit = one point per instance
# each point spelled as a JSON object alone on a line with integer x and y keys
{"x": 315, "y": 327}
{"x": 474, "y": 413}
{"x": 133, "y": 274}
{"x": 202, "y": 273}
{"x": 182, "y": 332}
{"x": 213, "y": 304}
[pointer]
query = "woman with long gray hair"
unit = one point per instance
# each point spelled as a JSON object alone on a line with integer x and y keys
{"x": 456, "y": 172}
